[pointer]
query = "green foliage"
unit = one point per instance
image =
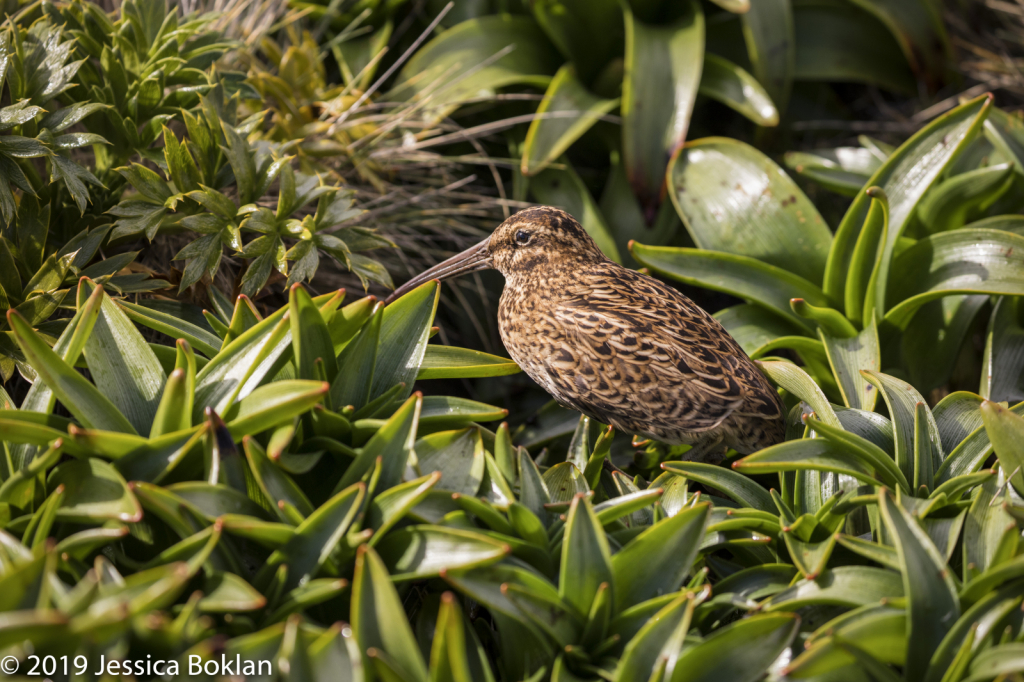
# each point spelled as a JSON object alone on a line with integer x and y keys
{"x": 284, "y": 497}
{"x": 927, "y": 238}
{"x": 656, "y": 63}
{"x": 271, "y": 486}
{"x": 90, "y": 160}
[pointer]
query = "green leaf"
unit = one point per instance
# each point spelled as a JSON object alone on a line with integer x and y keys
{"x": 997, "y": 661}
{"x": 1006, "y": 431}
{"x": 378, "y": 619}
{"x": 240, "y": 156}
{"x": 40, "y": 307}
{"x": 523, "y": 595}
{"x": 564, "y": 481}
{"x": 902, "y": 400}
{"x": 357, "y": 361}
{"x": 1003, "y": 361}
{"x": 89, "y": 406}
{"x": 925, "y": 457}
{"x": 586, "y": 558}
{"x": 334, "y": 652}
{"x": 40, "y": 626}
{"x": 809, "y": 557}
{"x": 172, "y": 414}
{"x": 123, "y": 366}
{"x": 932, "y": 603}
{"x": 663, "y": 66}
{"x": 572, "y": 24}
{"x": 647, "y": 648}
{"x": 972, "y": 628}
{"x": 956, "y": 487}
{"x": 986, "y": 528}
{"x": 741, "y": 276}
{"x": 450, "y": 362}
{"x": 959, "y": 421}
{"x": 921, "y": 159}
{"x": 828, "y": 320}
{"x": 741, "y": 651}
{"x": 274, "y": 404}
{"x": 658, "y": 560}
{"x": 567, "y": 111}
{"x": 50, "y": 276}
{"x": 882, "y": 554}
{"x": 426, "y": 551}
{"x": 449, "y": 656}
{"x": 458, "y": 456}
{"x": 266, "y": 533}
{"x": 39, "y": 397}
{"x": 404, "y": 331}
{"x": 624, "y": 505}
{"x": 986, "y": 582}
{"x": 727, "y": 83}
{"x": 799, "y": 383}
{"x": 147, "y": 182}
{"x": 202, "y": 340}
{"x": 241, "y": 365}
{"x": 865, "y": 450}
{"x": 1002, "y": 130}
{"x": 848, "y": 356}
{"x": 388, "y": 507}
{"x": 442, "y": 412}
{"x": 876, "y": 628}
{"x": 19, "y": 488}
{"x": 829, "y": 38}
{"x": 949, "y": 204}
{"x": 275, "y": 484}
{"x": 970, "y": 261}
{"x": 806, "y": 455}
{"x": 180, "y": 164}
{"x": 93, "y": 491}
{"x": 457, "y": 54}
{"x": 311, "y": 339}
{"x": 933, "y": 338}
{"x": 225, "y": 592}
{"x": 533, "y": 491}
{"x": 842, "y": 170}
{"x": 310, "y": 547}
{"x": 216, "y": 500}
{"x": 753, "y": 326}
{"x": 771, "y": 45}
{"x": 920, "y": 32}
{"x": 735, "y": 199}
{"x": 393, "y": 444}
{"x": 737, "y": 486}
{"x": 848, "y": 586}
{"x": 83, "y": 543}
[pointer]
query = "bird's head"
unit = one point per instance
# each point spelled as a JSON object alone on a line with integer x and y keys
{"x": 536, "y": 240}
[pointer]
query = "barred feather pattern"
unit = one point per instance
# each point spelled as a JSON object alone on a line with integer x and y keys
{"x": 623, "y": 347}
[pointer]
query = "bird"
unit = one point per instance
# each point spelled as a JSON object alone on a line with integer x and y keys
{"x": 617, "y": 345}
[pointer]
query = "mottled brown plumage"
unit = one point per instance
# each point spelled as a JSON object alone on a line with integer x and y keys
{"x": 617, "y": 345}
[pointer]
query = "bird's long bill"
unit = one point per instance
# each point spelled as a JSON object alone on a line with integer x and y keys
{"x": 472, "y": 259}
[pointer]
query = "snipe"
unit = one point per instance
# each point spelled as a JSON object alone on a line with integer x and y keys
{"x": 619, "y": 346}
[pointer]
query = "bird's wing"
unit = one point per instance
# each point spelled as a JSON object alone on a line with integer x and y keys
{"x": 635, "y": 351}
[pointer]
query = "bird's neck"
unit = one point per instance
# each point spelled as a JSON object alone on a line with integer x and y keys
{"x": 549, "y": 282}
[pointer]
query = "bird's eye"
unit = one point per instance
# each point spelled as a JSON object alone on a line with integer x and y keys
{"x": 522, "y": 237}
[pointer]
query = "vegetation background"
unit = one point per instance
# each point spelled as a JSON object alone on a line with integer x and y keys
{"x": 209, "y": 447}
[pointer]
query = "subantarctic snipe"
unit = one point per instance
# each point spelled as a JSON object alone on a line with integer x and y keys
{"x": 617, "y": 345}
